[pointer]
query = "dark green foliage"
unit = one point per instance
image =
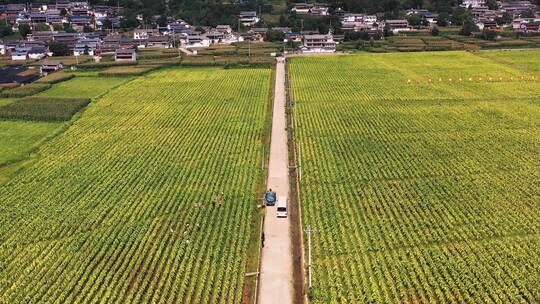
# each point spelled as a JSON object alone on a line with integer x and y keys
{"x": 26, "y": 90}
{"x": 5, "y": 28}
{"x": 43, "y": 108}
{"x": 275, "y": 36}
{"x": 42, "y": 27}
{"x": 24, "y": 29}
{"x": 492, "y": 4}
{"x": 505, "y": 19}
{"x": 435, "y": 31}
{"x": 59, "y": 48}
{"x": 468, "y": 27}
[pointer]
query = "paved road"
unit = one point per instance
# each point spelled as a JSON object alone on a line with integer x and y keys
{"x": 276, "y": 265}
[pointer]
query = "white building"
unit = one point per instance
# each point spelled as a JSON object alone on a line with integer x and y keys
{"x": 473, "y": 3}
{"x": 248, "y": 18}
{"x": 319, "y": 44}
{"x": 195, "y": 41}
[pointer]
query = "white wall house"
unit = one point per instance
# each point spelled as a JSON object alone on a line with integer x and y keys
{"x": 473, "y": 3}
{"x": 319, "y": 44}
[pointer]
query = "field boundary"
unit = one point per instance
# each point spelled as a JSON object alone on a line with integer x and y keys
{"x": 296, "y": 211}
{"x": 251, "y": 286}
{"x": 33, "y": 155}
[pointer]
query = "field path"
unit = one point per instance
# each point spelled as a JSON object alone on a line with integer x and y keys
{"x": 276, "y": 279}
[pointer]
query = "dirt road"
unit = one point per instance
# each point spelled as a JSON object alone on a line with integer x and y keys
{"x": 276, "y": 278}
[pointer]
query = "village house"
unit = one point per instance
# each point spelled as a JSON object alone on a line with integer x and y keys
{"x": 194, "y": 41}
{"x": 397, "y": 26}
{"x": 319, "y": 44}
{"x": 50, "y": 66}
{"x": 142, "y": 34}
{"x": 161, "y": 42}
{"x": 125, "y": 55}
{"x": 473, "y": 3}
{"x": 248, "y": 18}
{"x": 487, "y": 25}
{"x": 319, "y": 10}
{"x": 225, "y": 29}
{"x": 301, "y": 8}
{"x": 37, "y": 52}
{"x": 20, "y": 54}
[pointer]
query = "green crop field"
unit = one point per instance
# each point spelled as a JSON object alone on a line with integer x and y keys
{"x": 119, "y": 207}
{"x": 18, "y": 137}
{"x": 84, "y": 87}
{"x": 420, "y": 173}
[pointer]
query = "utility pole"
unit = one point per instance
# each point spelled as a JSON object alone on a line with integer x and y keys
{"x": 309, "y": 230}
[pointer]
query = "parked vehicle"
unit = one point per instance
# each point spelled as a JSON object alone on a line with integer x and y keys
{"x": 270, "y": 198}
{"x": 281, "y": 207}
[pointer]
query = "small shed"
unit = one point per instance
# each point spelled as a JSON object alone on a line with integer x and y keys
{"x": 50, "y": 66}
{"x": 125, "y": 55}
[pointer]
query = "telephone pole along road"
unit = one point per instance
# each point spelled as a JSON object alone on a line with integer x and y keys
{"x": 276, "y": 278}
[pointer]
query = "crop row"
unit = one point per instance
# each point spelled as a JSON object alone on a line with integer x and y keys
{"x": 119, "y": 207}
{"x": 418, "y": 194}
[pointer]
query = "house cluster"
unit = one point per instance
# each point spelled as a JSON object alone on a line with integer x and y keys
{"x": 77, "y": 14}
{"x": 221, "y": 34}
{"x": 486, "y": 18}
{"x": 36, "y": 46}
{"x": 315, "y": 9}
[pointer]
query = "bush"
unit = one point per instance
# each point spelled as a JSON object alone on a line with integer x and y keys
{"x": 43, "y": 108}
{"x": 26, "y": 90}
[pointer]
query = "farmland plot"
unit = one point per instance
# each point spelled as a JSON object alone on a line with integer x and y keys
{"x": 119, "y": 207}
{"x": 420, "y": 192}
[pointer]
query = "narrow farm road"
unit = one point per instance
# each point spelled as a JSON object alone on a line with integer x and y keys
{"x": 276, "y": 278}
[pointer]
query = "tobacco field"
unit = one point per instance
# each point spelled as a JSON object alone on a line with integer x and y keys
{"x": 118, "y": 208}
{"x": 420, "y": 173}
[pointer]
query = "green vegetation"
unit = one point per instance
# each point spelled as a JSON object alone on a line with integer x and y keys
{"x": 25, "y": 90}
{"x": 84, "y": 87}
{"x": 420, "y": 174}
{"x": 56, "y": 77}
{"x": 134, "y": 70}
{"x": 119, "y": 207}
{"x": 43, "y": 108}
{"x": 17, "y": 138}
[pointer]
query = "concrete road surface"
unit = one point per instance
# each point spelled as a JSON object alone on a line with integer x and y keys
{"x": 276, "y": 285}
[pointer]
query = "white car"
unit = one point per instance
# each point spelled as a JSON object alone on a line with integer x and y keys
{"x": 281, "y": 210}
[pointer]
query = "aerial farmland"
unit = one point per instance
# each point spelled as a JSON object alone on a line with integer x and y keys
{"x": 420, "y": 175}
{"x": 409, "y": 178}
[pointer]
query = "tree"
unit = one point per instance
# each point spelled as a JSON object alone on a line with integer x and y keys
{"x": 275, "y": 36}
{"x": 459, "y": 15}
{"x": 528, "y": 14}
{"x": 468, "y": 27}
{"x": 68, "y": 28}
{"x": 129, "y": 22}
{"x": 59, "y": 48}
{"x": 107, "y": 24}
{"x": 435, "y": 31}
{"x": 505, "y": 19}
{"x": 443, "y": 19}
{"x": 387, "y": 30}
{"x": 489, "y": 35}
{"x": 5, "y": 28}
{"x": 87, "y": 29}
{"x": 492, "y": 4}
{"x": 414, "y": 20}
{"x": 24, "y": 29}
{"x": 162, "y": 20}
{"x": 42, "y": 27}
